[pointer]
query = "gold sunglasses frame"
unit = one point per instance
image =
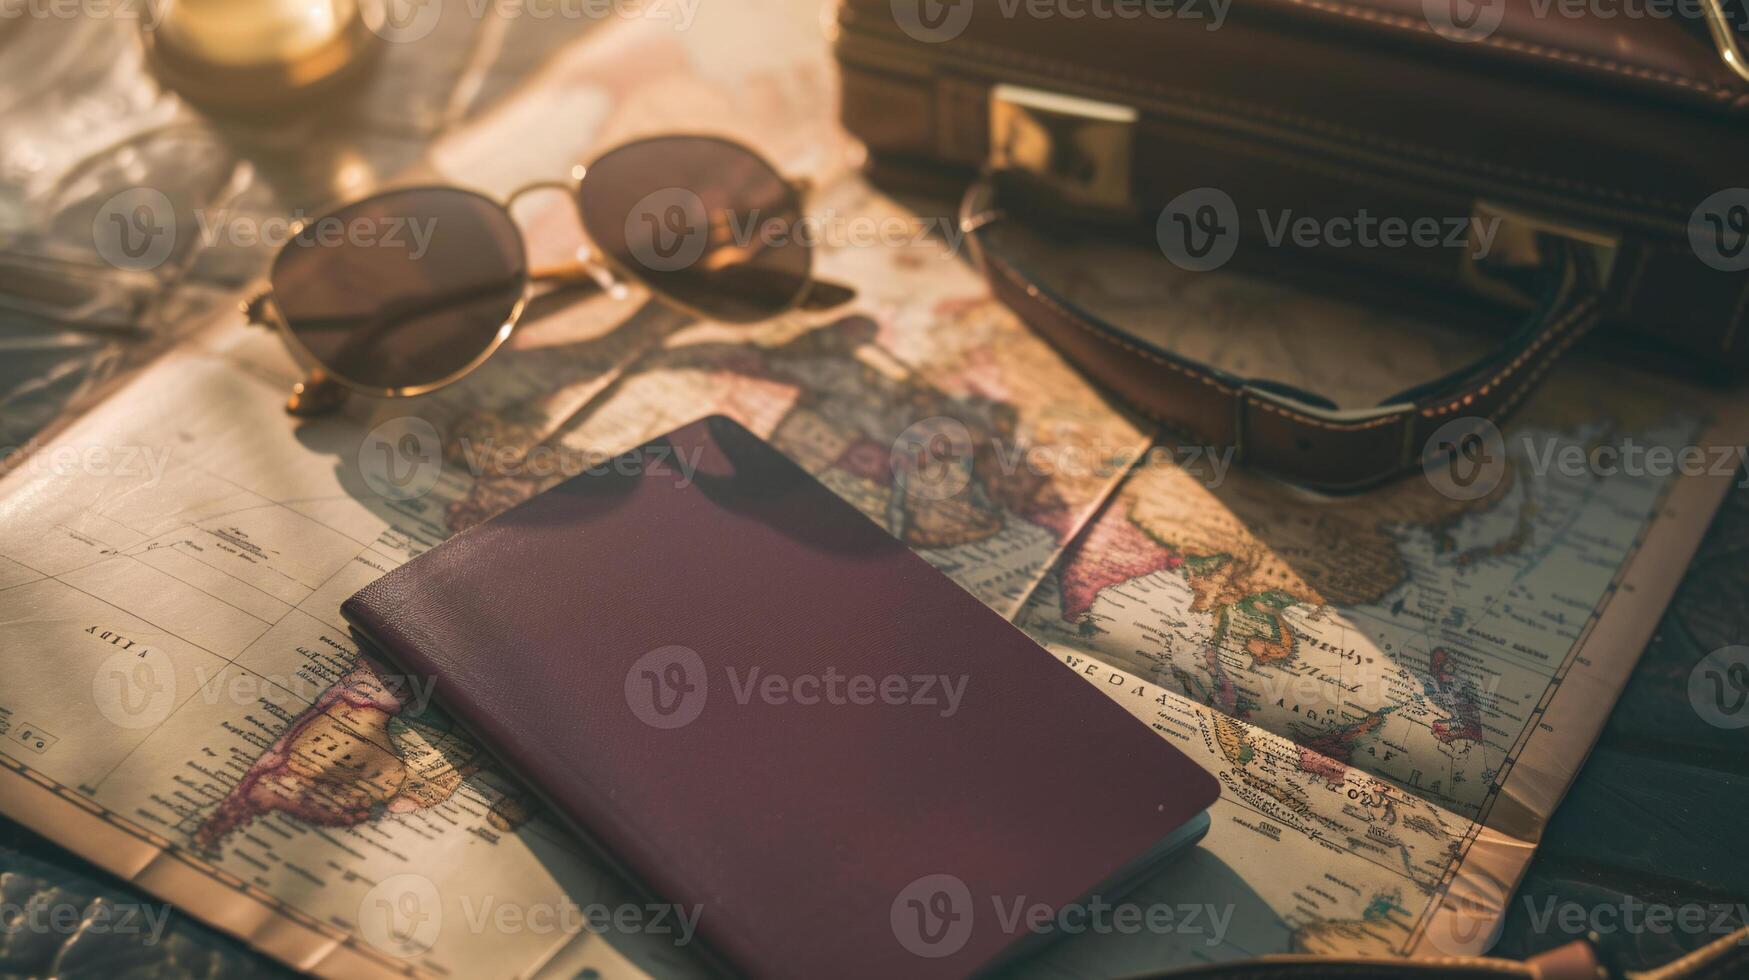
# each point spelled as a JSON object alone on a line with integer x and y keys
{"x": 324, "y": 390}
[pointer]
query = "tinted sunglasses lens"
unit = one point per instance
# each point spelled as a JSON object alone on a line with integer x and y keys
{"x": 702, "y": 221}
{"x": 403, "y": 289}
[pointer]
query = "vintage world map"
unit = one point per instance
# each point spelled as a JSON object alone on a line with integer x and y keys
{"x": 1393, "y": 690}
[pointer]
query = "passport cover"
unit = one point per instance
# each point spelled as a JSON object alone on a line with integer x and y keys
{"x": 742, "y": 691}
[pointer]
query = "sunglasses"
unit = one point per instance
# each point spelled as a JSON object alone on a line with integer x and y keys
{"x": 409, "y": 290}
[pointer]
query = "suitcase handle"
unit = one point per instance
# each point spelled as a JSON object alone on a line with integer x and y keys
{"x": 1286, "y": 431}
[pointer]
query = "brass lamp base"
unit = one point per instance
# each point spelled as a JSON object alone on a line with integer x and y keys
{"x": 254, "y": 54}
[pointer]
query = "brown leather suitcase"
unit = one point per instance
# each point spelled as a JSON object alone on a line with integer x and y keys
{"x": 1622, "y": 139}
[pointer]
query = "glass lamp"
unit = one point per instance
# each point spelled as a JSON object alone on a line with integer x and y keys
{"x": 256, "y": 53}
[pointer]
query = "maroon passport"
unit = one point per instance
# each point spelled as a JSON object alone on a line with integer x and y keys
{"x": 764, "y": 707}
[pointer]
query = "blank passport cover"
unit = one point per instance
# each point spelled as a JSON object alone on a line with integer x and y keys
{"x": 828, "y": 838}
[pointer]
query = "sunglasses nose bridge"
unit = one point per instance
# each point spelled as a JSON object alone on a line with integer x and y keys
{"x": 585, "y": 250}
{"x": 568, "y": 187}
{"x": 585, "y": 267}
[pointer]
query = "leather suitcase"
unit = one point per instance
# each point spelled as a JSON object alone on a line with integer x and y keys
{"x": 1622, "y": 139}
